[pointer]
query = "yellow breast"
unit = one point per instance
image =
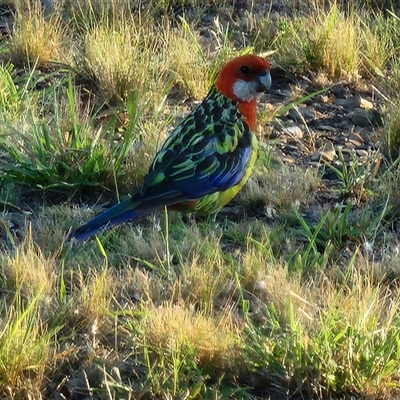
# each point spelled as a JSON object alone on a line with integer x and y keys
{"x": 214, "y": 202}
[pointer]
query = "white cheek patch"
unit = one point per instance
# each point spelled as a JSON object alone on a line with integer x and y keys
{"x": 245, "y": 91}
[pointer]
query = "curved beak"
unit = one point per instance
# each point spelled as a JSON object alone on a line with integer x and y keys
{"x": 265, "y": 81}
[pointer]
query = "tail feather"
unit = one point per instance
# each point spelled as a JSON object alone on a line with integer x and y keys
{"x": 118, "y": 214}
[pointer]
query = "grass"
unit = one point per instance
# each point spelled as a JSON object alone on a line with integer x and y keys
{"x": 36, "y": 40}
{"x": 25, "y": 344}
{"x": 340, "y": 347}
{"x": 342, "y": 41}
{"x": 291, "y": 291}
{"x": 109, "y": 52}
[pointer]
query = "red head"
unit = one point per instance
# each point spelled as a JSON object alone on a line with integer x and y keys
{"x": 243, "y": 79}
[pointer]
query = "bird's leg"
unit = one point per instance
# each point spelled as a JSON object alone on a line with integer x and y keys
{"x": 224, "y": 224}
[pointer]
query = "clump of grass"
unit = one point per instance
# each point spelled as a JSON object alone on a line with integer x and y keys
{"x": 335, "y": 230}
{"x": 342, "y": 43}
{"x": 355, "y": 179}
{"x": 29, "y": 271}
{"x": 285, "y": 38}
{"x": 196, "y": 61}
{"x": 376, "y": 47}
{"x": 283, "y": 187}
{"x": 36, "y": 39}
{"x": 172, "y": 327}
{"x": 49, "y": 156}
{"x": 85, "y": 14}
{"x": 95, "y": 292}
{"x": 332, "y": 43}
{"x": 183, "y": 347}
{"x": 356, "y": 318}
{"x": 391, "y": 132}
{"x": 128, "y": 57}
{"x": 370, "y": 42}
{"x": 15, "y": 96}
{"x": 189, "y": 64}
{"x": 25, "y": 345}
{"x": 203, "y": 275}
{"x": 252, "y": 268}
{"x": 133, "y": 54}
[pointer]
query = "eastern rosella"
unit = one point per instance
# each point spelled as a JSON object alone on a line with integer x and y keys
{"x": 207, "y": 158}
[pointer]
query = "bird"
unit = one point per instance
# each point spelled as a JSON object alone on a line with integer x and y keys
{"x": 207, "y": 158}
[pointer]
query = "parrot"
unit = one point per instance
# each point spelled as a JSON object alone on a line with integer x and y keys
{"x": 208, "y": 156}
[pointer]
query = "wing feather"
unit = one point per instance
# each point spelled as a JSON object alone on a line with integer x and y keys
{"x": 208, "y": 152}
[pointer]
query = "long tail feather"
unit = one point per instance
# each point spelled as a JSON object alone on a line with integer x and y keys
{"x": 118, "y": 214}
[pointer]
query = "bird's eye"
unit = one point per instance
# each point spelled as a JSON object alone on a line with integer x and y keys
{"x": 245, "y": 69}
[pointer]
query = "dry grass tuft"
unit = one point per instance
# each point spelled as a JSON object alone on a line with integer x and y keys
{"x": 203, "y": 276}
{"x": 95, "y": 291}
{"x": 253, "y": 267}
{"x": 128, "y": 56}
{"x": 88, "y": 12}
{"x": 25, "y": 345}
{"x": 36, "y": 39}
{"x": 189, "y": 65}
{"x": 391, "y": 132}
{"x": 333, "y": 43}
{"x": 285, "y": 187}
{"x": 181, "y": 330}
{"x": 29, "y": 271}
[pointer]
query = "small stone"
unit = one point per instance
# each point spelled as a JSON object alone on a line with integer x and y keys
{"x": 366, "y": 104}
{"x": 326, "y": 150}
{"x": 349, "y": 145}
{"x": 336, "y": 138}
{"x": 356, "y": 139}
{"x": 323, "y": 107}
{"x": 291, "y": 148}
{"x": 347, "y": 103}
{"x": 302, "y": 113}
{"x": 295, "y": 132}
{"x": 283, "y": 92}
{"x": 344, "y": 124}
{"x": 264, "y": 98}
{"x": 358, "y": 129}
{"x": 352, "y": 102}
{"x": 116, "y": 374}
{"x": 362, "y": 117}
{"x": 48, "y": 3}
{"x": 316, "y": 156}
{"x": 362, "y": 153}
{"x": 261, "y": 287}
{"x": 327, "y": 128}
{"x": 313, "y": 163}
